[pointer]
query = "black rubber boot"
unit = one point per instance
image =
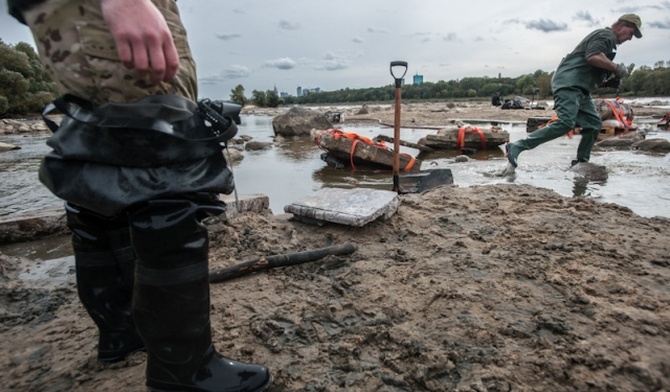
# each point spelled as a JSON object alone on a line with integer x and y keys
{"x": 105, "y": 267}
{"x": 172, "y": 304}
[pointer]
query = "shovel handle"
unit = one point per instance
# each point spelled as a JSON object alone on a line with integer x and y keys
{"x": 398, "y": 64}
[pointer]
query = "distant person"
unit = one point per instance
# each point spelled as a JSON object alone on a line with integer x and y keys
{"x": 496, "y": 100}
{"x": 579, "y": 73}
{"x": 512, "y": 104}
{"x": 139, "y": 169}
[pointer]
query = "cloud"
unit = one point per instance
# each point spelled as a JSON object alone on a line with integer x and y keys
{"x": 546, "y": 25}
{"x": 451, "y": 37}
{"x": 232, "y": 72}
{"x": 376, "y": 30}
{"x": 422, "y": 36}
{"x": 332, "y": 62}
{"x": 332, "y": 65}
{"x": 286, "y": 25}
{"x": 228, "y": 36}
{"x": 660, "y": 24}
{"x": 585, "y": 16}
{"x": 357, "y": 40}
{"x": 236, "y": 72}
{"x": 282, "y": 63}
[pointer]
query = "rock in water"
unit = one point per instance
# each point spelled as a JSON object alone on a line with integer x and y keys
{"x": 590, "y": 171}
{"x": 8, "y": 147}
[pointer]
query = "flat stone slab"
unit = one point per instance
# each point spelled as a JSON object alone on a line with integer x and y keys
{"x": 352, "y": 207}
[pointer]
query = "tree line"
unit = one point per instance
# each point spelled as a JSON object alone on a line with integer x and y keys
{"x": 26, "y": 87}
{"x": 643, "y": 81}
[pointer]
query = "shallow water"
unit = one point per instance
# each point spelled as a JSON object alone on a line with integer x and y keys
{"x": 293, "y": 169}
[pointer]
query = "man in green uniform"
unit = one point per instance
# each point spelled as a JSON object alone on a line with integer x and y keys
{"x": 139, "y": 164}
{"x": 578, "y": 74}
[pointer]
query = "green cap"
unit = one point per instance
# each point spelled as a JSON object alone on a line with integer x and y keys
{"x": 634, "y": 19}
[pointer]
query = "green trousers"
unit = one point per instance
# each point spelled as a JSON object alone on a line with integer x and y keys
{"x": 574, "y": 107}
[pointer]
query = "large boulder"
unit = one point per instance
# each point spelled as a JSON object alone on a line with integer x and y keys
{"x": 652, "y": 145}
{"x": 299, "y": 121}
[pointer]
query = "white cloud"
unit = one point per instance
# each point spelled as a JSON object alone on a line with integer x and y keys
{"x": 376, "y": 30}
{"x": 281, "y": 63}
{"x": 546, "y": 25}
{"x": 227, "y": 74}
{"x": 228, "y": 36}
{"x": 286, "y": 25}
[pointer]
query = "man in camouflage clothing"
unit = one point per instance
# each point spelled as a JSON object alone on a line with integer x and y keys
{"x": 139, "y": 169}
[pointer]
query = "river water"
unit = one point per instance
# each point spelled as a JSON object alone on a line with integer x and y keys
{"x": 293, "y": 169}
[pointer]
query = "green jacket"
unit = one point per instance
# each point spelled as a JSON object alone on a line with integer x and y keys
{"x": 575, "y": 71}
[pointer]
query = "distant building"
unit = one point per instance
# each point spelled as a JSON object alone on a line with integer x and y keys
{"x": 418, "y": 79}
{"x": 304, "y": 91}
{"x": 298, "y": 92}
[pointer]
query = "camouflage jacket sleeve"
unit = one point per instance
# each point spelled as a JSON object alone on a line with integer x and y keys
{"x": 14, "y": 6}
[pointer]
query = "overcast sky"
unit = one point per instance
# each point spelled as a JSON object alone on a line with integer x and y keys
{"x": 262, "y": 44}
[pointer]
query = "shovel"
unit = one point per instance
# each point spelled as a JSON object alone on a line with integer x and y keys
{"x": 397, "y": 67}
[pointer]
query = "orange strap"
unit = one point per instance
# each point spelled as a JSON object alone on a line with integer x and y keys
{"x": 460, "y": 143}
{"x": 356, "y": 138}
{"x": 619, "y": 112}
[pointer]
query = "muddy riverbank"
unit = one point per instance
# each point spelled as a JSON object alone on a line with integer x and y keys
{"x": 484, "y": 288}
{"x": 500, "y": 287}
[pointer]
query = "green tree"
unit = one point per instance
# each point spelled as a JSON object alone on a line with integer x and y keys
{"x": 25, "y": 86}
{"x": 635, "y": 83}
{"x": 525, "y": 84}
{"x": 258, "y": 98}
{"x": 237, "y": 95}
{"x": 272, "y": 99}
{"x": 543, "y": 82}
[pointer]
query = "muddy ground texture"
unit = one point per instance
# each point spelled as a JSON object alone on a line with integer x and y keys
{"x": 485, "y": 288}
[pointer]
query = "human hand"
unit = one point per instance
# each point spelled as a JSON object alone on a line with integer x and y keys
{"x": 142, "y": 37}
{"x": 611, "y": 83}
{"x": 620, "y": 72}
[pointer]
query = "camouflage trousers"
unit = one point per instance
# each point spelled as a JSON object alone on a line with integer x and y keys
{"x": 78, "y": 50}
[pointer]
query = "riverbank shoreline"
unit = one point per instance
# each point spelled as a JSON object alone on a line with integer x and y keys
{"x": 506, "y": 287}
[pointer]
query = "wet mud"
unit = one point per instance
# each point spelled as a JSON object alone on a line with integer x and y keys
{"x": 485, "y": 288}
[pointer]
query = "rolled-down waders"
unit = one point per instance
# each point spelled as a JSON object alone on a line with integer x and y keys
{"x": 109, "y": 158}
{"x": 156, "y": 165}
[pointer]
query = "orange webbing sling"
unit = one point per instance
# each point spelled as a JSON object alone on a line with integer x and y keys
{"x": 617, "y": 110}
{"x": 356, "y": 138}
{"x": 460, "y": 143}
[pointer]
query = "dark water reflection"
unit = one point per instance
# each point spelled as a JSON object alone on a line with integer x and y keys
{"x": 293, "y": 169}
